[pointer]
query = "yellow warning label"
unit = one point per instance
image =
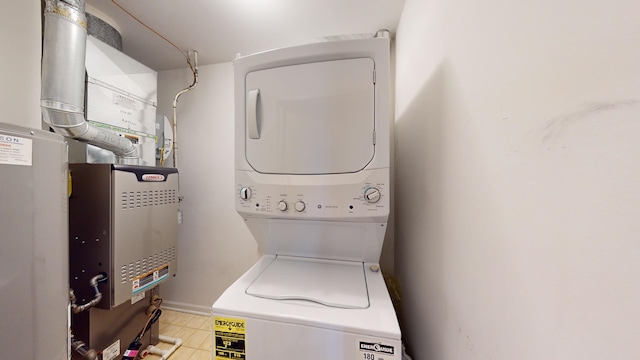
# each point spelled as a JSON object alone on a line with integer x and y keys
{"x": 230, "y": 338}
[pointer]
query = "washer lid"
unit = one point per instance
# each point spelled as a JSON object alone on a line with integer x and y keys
{"x": 339, "y": 284}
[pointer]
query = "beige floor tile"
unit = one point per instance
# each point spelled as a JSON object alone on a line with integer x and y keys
{"x": 168, "y": 316}
{"x": 197, "y": 321}
{"x": 195, "y": 340}
{"x": 169, "y": 329}
{"x": 164, "y": 346}
{"x": 184, "y": 333}
{"x": 200, "y": 355}
{"x": 182, "y": 319}
{"x": 183, "y": 353}
{"x": 194, "y": 330}
{"x": 207, "y": 324}
{"x": 206, "y": 344}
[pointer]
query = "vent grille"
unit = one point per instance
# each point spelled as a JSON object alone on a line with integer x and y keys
{"x": 141, "y": 199}
{"x": 142, "y": 266}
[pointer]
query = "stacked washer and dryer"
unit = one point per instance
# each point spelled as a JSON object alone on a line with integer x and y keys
{"x": 312, "y": 162}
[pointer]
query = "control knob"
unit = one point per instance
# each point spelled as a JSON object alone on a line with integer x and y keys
{"x": 245, "y": 193}
{"x": 372, "y": 195}
{"x": 282, "y": 205}
{"x": 300, "y": 205}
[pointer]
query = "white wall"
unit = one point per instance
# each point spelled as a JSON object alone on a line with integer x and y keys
{"x": 518, "y": 179}
{"x": 20, "y": 41}
{"x": 214, "y": 245}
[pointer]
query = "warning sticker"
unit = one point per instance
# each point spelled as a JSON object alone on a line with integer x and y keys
{"x": 150, "y": 279}
{"x": 230, "y": 338}
{"x": 15, "y": 150}
{"x": 112, "y": 351}
{"x": 369, "y": 350}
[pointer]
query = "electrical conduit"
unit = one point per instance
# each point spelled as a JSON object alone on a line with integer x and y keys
{"x": 174, "y": 120}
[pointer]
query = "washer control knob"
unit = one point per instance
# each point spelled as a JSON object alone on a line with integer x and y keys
{"x": 300, "y": 205}
{"x": 245, "y": 193}
{"x": 372, "y": 195}
{"x": 282, "y": 205}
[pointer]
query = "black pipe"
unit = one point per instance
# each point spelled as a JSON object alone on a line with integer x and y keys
{"x": 96, "y": 298}
{"x": 82, "y": 349}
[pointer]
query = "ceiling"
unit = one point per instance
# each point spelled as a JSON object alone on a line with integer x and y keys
{"x": 220, "y": 29}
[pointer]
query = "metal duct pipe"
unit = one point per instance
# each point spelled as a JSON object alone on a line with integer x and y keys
{"x": 63, "y": 80}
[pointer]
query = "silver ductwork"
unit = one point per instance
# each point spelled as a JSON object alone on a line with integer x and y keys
{"x": 63, "y": 80}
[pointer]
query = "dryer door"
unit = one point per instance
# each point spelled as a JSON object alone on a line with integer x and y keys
{"x": 315, "y": 118}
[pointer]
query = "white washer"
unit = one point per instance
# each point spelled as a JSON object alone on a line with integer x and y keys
{"x": 312, "y": 174}
{"x": 359, "y": 319}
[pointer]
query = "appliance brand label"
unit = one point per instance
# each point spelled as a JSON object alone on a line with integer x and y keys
{"x": 16, "y": 150}
{"x": 368, "y": 350}
{"x": 385, "y": 349}
{"x": 153, "y": 177}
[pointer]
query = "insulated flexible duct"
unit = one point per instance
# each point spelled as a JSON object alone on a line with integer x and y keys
{"x": 63, "y": 80}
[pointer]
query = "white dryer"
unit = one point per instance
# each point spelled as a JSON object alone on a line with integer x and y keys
{"x": 312, "y": 172}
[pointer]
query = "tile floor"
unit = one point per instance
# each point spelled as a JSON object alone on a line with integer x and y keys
{"x": 194, "y": 330}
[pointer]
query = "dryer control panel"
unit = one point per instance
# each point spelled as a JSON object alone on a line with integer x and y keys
{"x": 366, "y": 196}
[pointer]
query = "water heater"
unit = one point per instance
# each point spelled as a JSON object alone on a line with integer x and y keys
{"x": 34, "y": 258}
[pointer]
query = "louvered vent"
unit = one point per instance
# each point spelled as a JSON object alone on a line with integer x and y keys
{"x": 140, "y": 267}
{"x": 141, "y": 199}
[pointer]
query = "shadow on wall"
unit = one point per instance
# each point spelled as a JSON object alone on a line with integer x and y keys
{"x": 419, "y": 136}
{"x": 448, "y": 232}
